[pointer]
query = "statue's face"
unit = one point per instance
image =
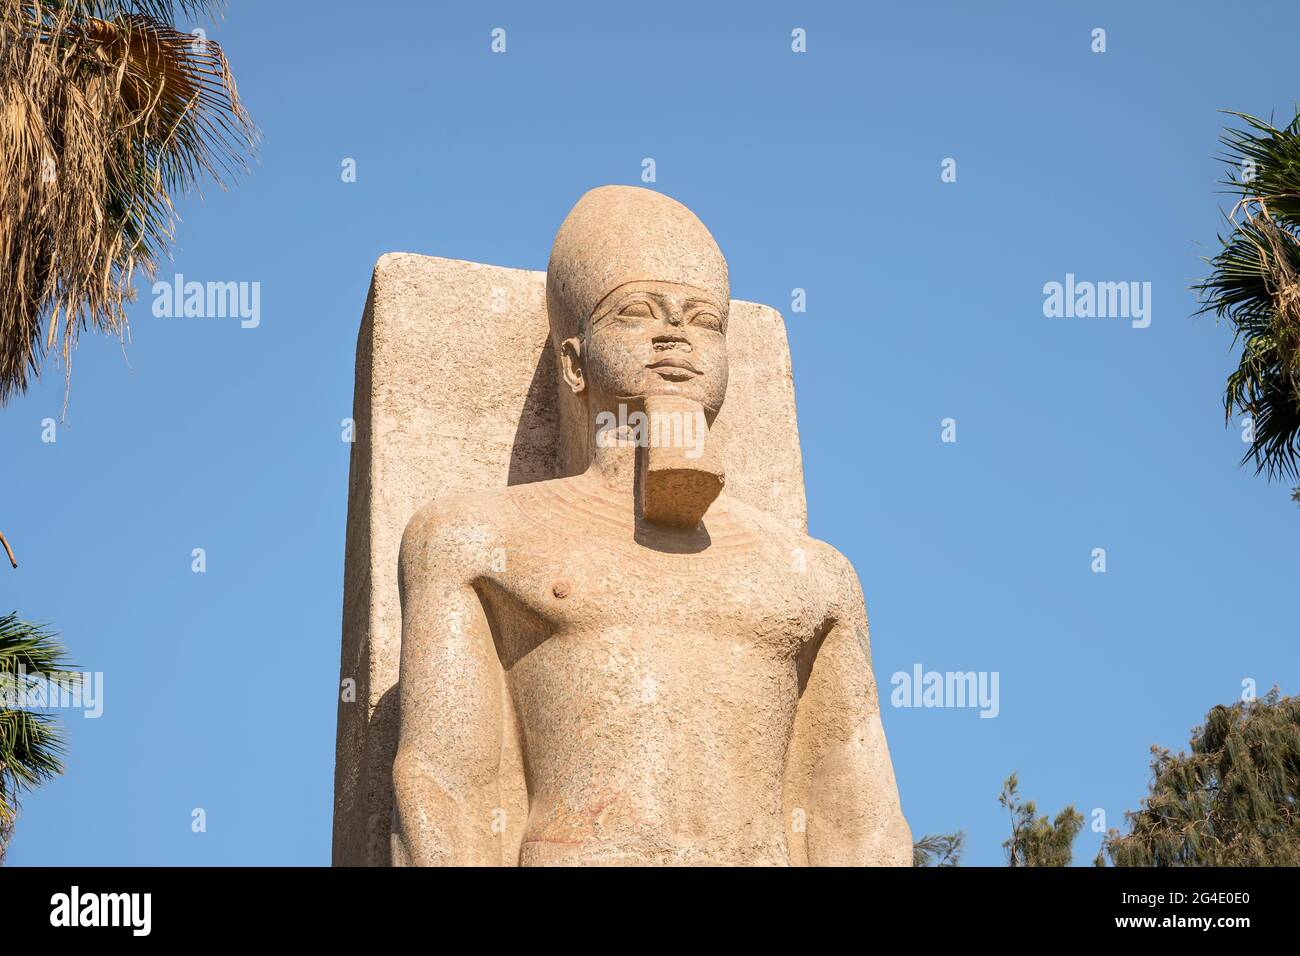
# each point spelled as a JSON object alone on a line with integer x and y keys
{"x": 652, "y": 339}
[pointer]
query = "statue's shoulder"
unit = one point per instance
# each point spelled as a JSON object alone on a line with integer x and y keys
{"x": 780, "y": 532}
{"x": 455, "y": 511}
{"x": 820, "y": 556}
{"x": 452, "y": 530}
{"x": 757, "y": 519}
{"x": 462, "y": 522}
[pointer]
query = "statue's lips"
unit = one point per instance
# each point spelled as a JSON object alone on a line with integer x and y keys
{"x": 674, "y": 361}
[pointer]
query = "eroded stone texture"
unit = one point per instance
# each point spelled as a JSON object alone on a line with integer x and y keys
{"x": 588, "y": 674}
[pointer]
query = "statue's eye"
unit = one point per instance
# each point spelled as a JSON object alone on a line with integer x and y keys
{"x": 707, "y": 319}
{"x": 640, "y": 309}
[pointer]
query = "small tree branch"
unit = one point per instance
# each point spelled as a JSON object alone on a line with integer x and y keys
{"x": 8, "y": 550}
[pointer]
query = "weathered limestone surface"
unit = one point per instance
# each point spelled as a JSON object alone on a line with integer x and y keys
{"x": 456, "y": 392}
{"x": 606, "y": 661}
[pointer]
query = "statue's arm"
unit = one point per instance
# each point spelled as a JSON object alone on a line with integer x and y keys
{"x": 853, "y": 817}
{"x": 449, "y": 743}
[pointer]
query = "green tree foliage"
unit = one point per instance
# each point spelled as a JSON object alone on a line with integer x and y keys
{"x": 1233, "y": 801}
{"x": 31, "y": 744}
{"x": 1035, "y": 840}
{"x": 1254, "y": 284}
{"x": 939, "y": 849}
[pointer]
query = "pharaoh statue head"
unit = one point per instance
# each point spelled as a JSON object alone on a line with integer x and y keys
{"x": 637, "y": 299}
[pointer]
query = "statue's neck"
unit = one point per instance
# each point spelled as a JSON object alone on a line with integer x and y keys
{"x": 615, "y": 470}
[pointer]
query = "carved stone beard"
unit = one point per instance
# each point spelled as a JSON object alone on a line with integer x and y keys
{"x": 661, "y": 448}
{"x": 677, "y": 480}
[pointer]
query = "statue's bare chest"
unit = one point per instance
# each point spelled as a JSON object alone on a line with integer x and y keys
{"x": 563, "y": 570}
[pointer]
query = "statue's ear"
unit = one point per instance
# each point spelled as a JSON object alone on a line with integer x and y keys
{"x": 571, "y": 364}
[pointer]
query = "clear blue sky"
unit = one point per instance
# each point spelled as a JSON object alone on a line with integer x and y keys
{"x": 819, "y": 171}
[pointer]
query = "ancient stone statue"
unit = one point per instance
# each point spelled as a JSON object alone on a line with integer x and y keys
{"x": 628, "y": 665}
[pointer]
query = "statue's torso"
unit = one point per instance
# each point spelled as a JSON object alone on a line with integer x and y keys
{"x": 655, "y": 690}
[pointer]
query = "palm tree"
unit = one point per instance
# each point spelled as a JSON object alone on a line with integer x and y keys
{"x": 31, "y": 744}
{"x": 107, "y": 110}
{"x": 1255, "y": 285}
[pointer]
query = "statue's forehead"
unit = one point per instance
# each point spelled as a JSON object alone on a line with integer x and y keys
{"x": 665, "y": 288}
{"x": 678, "y": 292}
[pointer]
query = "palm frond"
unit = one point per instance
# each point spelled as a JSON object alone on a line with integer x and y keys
{"x": 31, "y": 744}
{"x": 1274, "y": 158}
{"x": 32, "y": 648}
{"x": 107, "y": 112}
{"x": 1254, "y": 285}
